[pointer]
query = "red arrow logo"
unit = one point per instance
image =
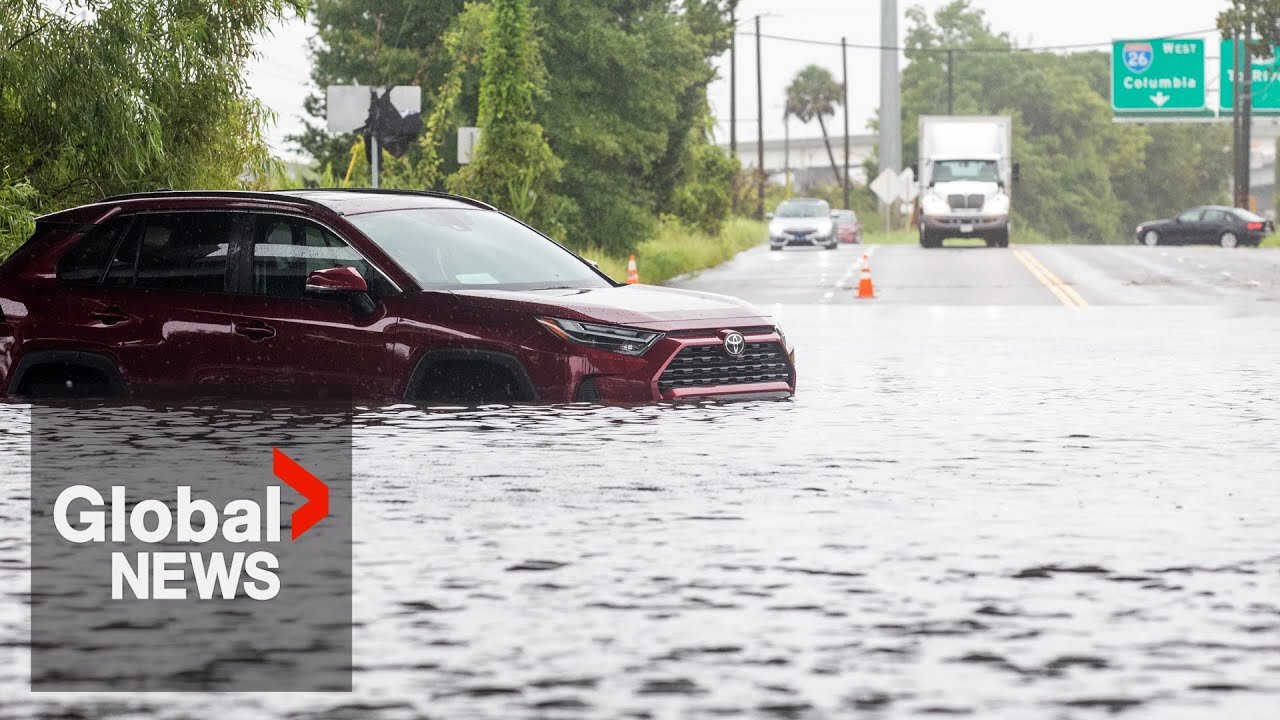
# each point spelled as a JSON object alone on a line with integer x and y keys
{"x": 309, "y": 486}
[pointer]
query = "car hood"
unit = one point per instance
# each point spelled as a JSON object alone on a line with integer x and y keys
{"x": 966, "y": 187}
{"x": 645, "y": 306}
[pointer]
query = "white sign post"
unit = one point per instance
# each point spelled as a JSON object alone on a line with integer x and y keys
{"x": 467, "y": 139}
{"x": 347, "y": 110}
{"x": 888, "y": 187}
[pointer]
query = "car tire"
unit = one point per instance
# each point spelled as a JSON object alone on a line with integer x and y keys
{"x": 1151, "y": 238}
{"x": 833, "y": 245}
{"x": 775, "y": 248}
{"x": 1229, "y": 240}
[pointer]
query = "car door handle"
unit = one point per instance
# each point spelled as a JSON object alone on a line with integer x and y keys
{"x": 255, "y": 331}
{"x": 111, "y": 315}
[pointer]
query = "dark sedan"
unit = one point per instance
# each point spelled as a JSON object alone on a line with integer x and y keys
{"x": 1225, "y": 226}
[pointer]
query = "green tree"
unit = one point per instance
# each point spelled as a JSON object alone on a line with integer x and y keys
{"x": 812, "y": 95}
{"x": 374, "y": 42}
{"x": 1260, "y": 17}
{"x": 625, "y": 103}
{"x": 107, "y": 96}
{"x": 514, "y": 167}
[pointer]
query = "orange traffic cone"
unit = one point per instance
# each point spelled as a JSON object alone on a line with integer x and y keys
{"x": 865, "y": 288}
{"x": 633, "y": 273}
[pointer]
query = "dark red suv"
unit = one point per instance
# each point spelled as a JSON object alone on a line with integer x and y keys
{"x": 386, "y": 295}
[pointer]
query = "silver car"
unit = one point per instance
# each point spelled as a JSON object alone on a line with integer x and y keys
{"x": 802, "y": 221}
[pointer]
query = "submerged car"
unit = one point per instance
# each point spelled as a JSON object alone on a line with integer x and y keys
{"x": 802, "y": 221}
{"x": 390, "y": 295}
{"x": 1214, "y": 224}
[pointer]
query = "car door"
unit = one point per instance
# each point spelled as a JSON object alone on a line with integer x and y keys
{"x": 1212, "y": 225}
{"x": 1187, "y": 227}
{"x": 151, "y": 292}
{"x": 302, "y": 344}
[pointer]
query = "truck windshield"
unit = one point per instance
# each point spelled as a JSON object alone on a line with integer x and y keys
{"x": 965, "y": 170}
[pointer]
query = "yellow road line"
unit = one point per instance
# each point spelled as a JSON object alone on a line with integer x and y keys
{"x": 1061, "y": 290}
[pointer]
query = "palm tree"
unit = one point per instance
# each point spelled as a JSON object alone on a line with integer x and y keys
{"x": 813, "y": 93}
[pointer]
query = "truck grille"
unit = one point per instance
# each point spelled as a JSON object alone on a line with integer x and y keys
{"x": 965, "y": 202}
{"x": 710, "y": 365}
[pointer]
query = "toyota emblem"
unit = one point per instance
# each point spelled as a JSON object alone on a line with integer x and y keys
{"x": 735, "y": 344}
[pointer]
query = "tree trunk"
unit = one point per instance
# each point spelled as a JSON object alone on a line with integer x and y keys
{"x": 832, "y": 156}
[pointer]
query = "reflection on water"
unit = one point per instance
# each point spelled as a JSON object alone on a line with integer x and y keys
{"x": 1027, "y": 512}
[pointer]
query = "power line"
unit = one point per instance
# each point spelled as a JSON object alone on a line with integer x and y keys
{"x": 1010, "y": 49}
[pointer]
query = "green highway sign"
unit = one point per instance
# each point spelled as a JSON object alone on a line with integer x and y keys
{"x": 1160, "y": 75}
{"x": 1266, "y": 81}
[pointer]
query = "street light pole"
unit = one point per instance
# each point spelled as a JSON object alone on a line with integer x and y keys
{"x": 786, "y": 148}
{"x": 951, "y": 87}
{"x": 844, "y": 58}
{"x": 733, "y": 98}
{"x": 759, "y": 127}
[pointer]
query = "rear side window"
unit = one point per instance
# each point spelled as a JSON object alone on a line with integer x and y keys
{"x": 176, "y": 251}
{"x": 86, "y": 261}
{"x": 1214, "y": 216}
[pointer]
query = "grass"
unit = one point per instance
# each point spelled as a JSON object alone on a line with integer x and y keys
{"x": 676, "y": 250}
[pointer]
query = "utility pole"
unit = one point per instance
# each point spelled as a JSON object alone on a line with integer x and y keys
{"x": 733, "y": 96}
{"x": 786, "y": 148}
{"x": 1244, "y": 91}
{"x": 951, "y": 85}
{"x": 890, "y": 91}
{"x": 759, "y": 127}
{"x": 844, "y": 58}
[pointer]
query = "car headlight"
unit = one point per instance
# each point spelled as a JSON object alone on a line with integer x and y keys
{"x": 614, "y": 338}
{"x": 998, "y": 203}
{"x": 934, "y": 204}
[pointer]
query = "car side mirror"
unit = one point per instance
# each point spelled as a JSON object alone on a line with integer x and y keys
{"x": 768, "y": 216}
{"x": 342, "y": 283}
{"x": 338, "y": 280}
{"x": 835, "y": 215}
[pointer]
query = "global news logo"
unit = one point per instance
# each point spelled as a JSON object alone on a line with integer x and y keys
{"x": 83, "y": 516}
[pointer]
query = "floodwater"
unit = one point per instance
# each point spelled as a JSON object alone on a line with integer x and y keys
{"x": 1032, "y": 512}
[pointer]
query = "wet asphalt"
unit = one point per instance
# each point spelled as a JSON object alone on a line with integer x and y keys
{"x": 984, "y": 502}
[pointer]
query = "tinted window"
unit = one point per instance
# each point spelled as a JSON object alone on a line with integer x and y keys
{"x": 1214, "y": 216}
{"x": 286, "y": 250}
{"x": 447, "y": 248}
{"x": 1248, "y": 216}
{"x": 176, "y": 251}
{"x": 87, "y": 259}
{"x": 1191, "y": 215}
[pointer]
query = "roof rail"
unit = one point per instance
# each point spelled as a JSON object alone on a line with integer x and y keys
{"x": 392, "y": 191}
{"x": 245, "y": 194}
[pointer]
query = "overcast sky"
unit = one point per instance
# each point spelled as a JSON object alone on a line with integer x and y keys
{"x": 280, "y": 75}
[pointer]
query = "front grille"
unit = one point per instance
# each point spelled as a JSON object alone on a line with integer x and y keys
{"x": 710, "y": 365}
{"x": 965, "y": 202}
{"x": 801, "y": 232}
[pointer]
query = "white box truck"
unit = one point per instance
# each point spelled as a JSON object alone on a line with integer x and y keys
{"x": 966, "y": 178}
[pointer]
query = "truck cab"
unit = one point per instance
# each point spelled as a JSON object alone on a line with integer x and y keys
{"x": 966, "y": 172}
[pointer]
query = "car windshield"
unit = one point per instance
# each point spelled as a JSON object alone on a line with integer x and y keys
{"x": 961, "y": 170}
{"x": 846, "y": 216}
{"x": 803, "y": 209}
{"x": 445, "y": 248}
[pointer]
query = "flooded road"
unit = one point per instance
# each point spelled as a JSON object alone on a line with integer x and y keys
{"x": 995, "y": 512}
